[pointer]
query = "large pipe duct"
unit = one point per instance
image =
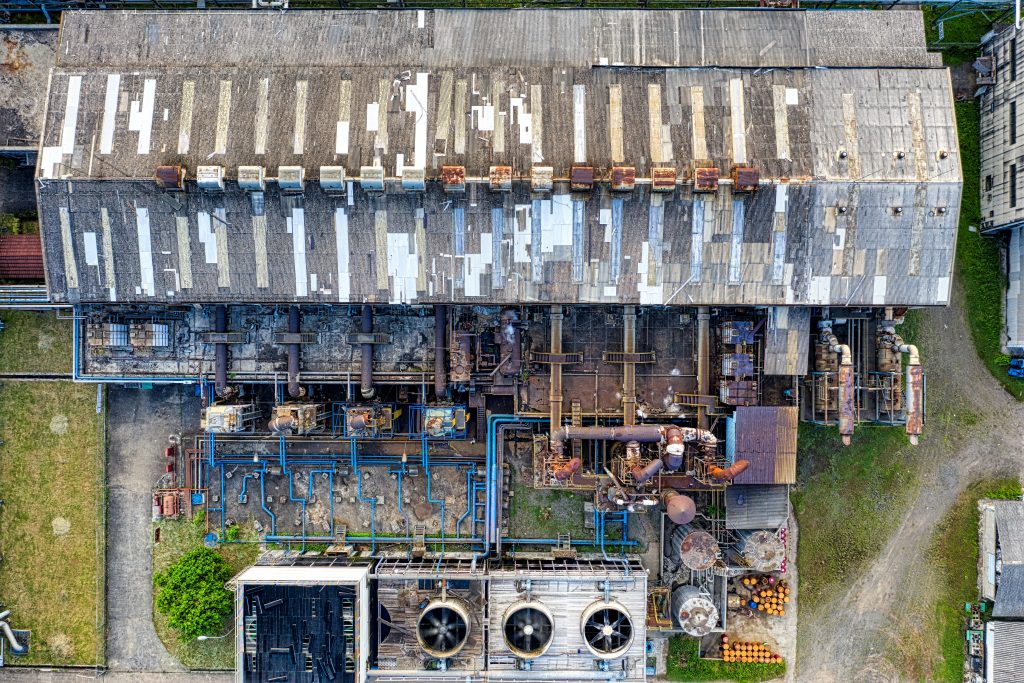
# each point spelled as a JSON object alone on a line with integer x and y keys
{"x": 847, "y": 414}
{"x": 366, "y": 374}
{"x": 728, "y": 473}
{"x": 629, "y": 367}
{"x": 440, "y": 343}
{"x": 295, "y": 390}
{"x": 220, "y": 325}
{"x": 555, "y": 390}
{"x": 283, "y": 424}
{"x": 914, "y": 384}
{"x": 674, "y": 437}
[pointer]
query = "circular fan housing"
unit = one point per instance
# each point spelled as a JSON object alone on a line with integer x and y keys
{"x": 528, "y": 628}
{"x": 443, "y": 628}
{"x": 607, "y": 629}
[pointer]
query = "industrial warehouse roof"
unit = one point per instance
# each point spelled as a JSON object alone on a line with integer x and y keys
{"x": 1009, "y": 603}
{"x": 21, "y": 257}
{"x": 756, "y": 507}
{"x": 1004, "y": 656}
{"x": 859, "y": 169}
{"x": 766, "y": 436}
{"x": 26, "y": 57}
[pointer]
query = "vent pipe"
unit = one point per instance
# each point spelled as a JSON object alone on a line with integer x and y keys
{"x": 728, "y": 473}
{"x": 295, "y": 390}
{"x": 220, "y": 325}
{"x": 847, "y": 414}
{"x": 440, "y": 338}
{"x": 366, "y": 374}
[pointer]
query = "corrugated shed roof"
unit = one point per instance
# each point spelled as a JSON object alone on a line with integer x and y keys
{"x": 1010, "y": 530}
{"x": 756, "y": 507}
{"x": 766, "y": 436}
{"x": 21, "y": 257}
{"x": 1005, "y": 654}
{"x": 1010, "y": 593}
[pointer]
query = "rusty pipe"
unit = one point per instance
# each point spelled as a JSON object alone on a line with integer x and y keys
{"x": 671, "y": 435}
{"x": 914, "y": 382}
{"x": 847, "y": 412}
{"x": 642, "y": 475}
{"x": 703, "y": 352}
{"x": 440, "y": 364}
{"x": 281, "y": 424}
{"x": 555, "y": 388}
{"x": 728, "y": 473}
{"x": 366, "y": 373}
{"x": 564, "y": 471}
{"x": 220, "y": 324}
{"x": 295, "y": 390}
{"x": 628, "y": 367}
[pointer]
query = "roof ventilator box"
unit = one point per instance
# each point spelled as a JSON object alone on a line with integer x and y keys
{"x": 663, "y": 179}
{"x": 542, "y": 178}
{"x": 291, "y": 178}
{"x": 332, "y": 179}
{"x": 210, "y": 178}
{"x": 453, "y": 178}
{"x": 252, "y": 178}
{"x": 705, "y": 178}
{"x": 581, "y": 178}
{"x": 371, "y": 178}
{"x": 623, "y": 178}
{"x": 745, "y": 179}
{"x": 414, "y": 179}
{"x": 501, "y": 178}
{"x": 170, "y": 177}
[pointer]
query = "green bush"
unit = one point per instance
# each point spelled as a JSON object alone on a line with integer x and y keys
{"x": 684, "y": 664}
{"x": 192, "y": 594}
{"x": 232, "y": 533}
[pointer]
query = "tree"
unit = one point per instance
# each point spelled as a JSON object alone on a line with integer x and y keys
{"x": 192, "y": 593}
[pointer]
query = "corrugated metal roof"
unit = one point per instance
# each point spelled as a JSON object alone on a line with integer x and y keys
{"x": 21, "y": 257}
{"x": 756, "y": 507}
{"x": 787, "y": 341}
{"x": 1004, "y": 652}
{"x": 1010, "y": 530}
{"x": 1010, "y": 593}
{"x": 766, "y": 436}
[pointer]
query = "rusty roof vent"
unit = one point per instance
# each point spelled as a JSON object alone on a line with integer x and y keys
{"x": 501, "y": 178}
{"x": 745, "y": 179}
{"x": 542, "y": 178}
{"x": 453, "y": 178}
{"x": 663, "y": 179}
{"x": 170, "y": 177}
{"x": 705, "y": 179}
{"x": 623, "y": 178}
{"x": 581, "y": 178}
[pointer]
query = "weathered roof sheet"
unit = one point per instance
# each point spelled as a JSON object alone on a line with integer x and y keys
{"x": 786, "y": 341}
{"x": 1010, "y": 530}
{"x": 857, "y": 203}
{"x": 26, "y": 57}
{"x": 766, "y": 436}
{"x": 1010, "y": 593}
{"x": 21, "y": 257}
{"x": 756, "y": 507}
{"x": 1004, "y": 654}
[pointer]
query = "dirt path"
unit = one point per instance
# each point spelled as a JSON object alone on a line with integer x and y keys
{"x": 973, "y": 432}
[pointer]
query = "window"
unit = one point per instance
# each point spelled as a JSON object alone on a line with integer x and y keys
{"x": 1013, "y": 59}
{"x": 1013, "y": 186}
{"x": 988, "y": 183}
{"x": 1013, "y": 123}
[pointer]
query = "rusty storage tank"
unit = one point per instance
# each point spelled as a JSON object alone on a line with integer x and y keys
{"x": 698, "y": 549}
{"x": 528, "y": 628}
{"x": 607, "y": 629}
{"x": 443, "y": 627}
{"x": 762, "y": 550}
{"x": 694, "y": 611}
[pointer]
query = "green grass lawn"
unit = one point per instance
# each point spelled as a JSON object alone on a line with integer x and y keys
{"x": 176, "y": 539}
{"x": 954, "y": 551}
{"x": 51, "y": 522}
{"x": 35, "y": 342}
{"x": 961, "y": 35}
{"x": 846, "y": 502}
{"x": 684, "y": 664}
{"x": 541, "y": 513}
{"x": 978, "y": 261}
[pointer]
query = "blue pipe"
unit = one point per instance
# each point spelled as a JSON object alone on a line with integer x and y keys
{"x": 490, "y": 510}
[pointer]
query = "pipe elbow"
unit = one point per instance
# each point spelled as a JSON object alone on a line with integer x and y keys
{"x": 845, "y": 356}
{"x": 911, "y": 351}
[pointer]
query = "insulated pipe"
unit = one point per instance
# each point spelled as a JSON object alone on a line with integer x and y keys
{"x": 628, "y": 367}
{"x": 440, "y": 344}
{"x": 914, "y": 382}
{"x": 281, "y": 424}
{"x": 728, "y": 473}
{"x": 8, "y": 633}
{"x": 555, "y": 390}
{"x": 671, "y": 435}
{"x": 847, "y": 417}
{"x": 220, "y": 324}
{"x": 366, "y": 375}
{"x": 295, "y": 390}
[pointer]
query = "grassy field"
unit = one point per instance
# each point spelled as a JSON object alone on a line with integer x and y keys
{"x": 845, "y": 502}
{"x": 959, "y": 42}
{"x": 954, "y": 551}
{"x": 540, "y": 513}
{"x": 176, "y": 539}
{"x": 35, "y": 342}
{"x": 978, "y": 260}
{"x": 684, "y": 664}
{"x": 51, "y": 524}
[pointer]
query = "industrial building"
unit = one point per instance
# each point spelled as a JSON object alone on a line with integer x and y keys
{"x": 605, "y": 258}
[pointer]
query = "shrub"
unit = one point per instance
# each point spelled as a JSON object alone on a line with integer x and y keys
{"x": 192, "y": 594}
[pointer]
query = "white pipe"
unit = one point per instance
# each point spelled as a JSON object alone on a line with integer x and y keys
{"x": 915, "y": 358}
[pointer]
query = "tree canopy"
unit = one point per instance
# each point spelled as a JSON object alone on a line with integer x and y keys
{"x": 192, "y": 594}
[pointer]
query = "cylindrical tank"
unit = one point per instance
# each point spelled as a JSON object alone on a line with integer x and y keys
{"x": 762, "y": 550}
{"x": 528, "y": 628}
{"x": 607, "y": 629}
{"x": 695, "y": 613}
{"x": 679, "y": 508}
{"x": 443, "y": 628}
{"x": 698, "y": 550}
